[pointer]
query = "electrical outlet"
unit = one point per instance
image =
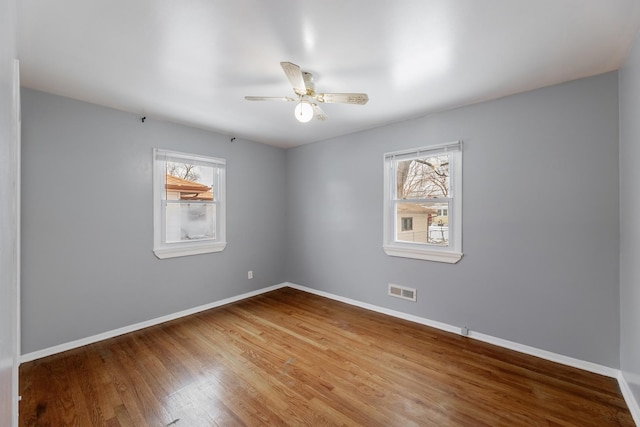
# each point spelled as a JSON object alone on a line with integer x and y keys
{"x": 250, "y": 274}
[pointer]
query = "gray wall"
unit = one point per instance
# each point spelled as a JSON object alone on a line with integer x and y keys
{"x": 629, "y": 214}
{"x": 540, "y": 221}
{"x": 8, "y": 215}
{"x": 87, "y": 223}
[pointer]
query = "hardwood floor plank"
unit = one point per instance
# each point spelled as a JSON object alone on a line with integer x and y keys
{"x": 85, "y": 401}
{"x": 137, "y": 395}
{"x": 292, "y": 358}
{"x": 290, "y": 367}
{"x": 107, "y": 394}
{"x": 242, "y": 398}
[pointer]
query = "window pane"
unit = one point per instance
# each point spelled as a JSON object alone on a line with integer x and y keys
{"x": 423, "y": 178}
{"x": 189, "y": 221}
{"x": 429, "y": 221}
{"x": 188, "y": 181}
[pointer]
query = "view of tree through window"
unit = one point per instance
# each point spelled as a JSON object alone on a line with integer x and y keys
{"x": 183, "y": 170}
{"x": 422, "y": 194}
{"x": 423, "y": 178}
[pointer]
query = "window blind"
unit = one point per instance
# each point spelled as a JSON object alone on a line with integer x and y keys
{"x": 424, "y": 151}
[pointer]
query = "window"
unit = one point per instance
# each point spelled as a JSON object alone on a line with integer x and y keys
{"x": 424, "y": 185}
{"x": 188, "y": 204}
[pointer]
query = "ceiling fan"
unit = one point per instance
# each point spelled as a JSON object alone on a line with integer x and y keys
{"x": 307, "y": 97}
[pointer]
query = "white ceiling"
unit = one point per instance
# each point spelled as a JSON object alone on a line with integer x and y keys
{"x": 193, "y": 61}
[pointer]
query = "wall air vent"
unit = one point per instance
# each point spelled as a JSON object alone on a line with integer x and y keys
{"x": 402, "y": 292}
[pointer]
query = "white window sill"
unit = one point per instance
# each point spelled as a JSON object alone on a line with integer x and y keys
{"x": 191, "y": 249}
{"x": 423, "y": 254}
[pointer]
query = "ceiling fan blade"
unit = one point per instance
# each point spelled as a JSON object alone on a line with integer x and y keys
{"x": 269, "y": 98}
{"x": 294, "y": 74}
{"x": 318, "y": 113}
{"x": 343, "y": 98}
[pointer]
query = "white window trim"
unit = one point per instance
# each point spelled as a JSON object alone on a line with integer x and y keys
{"x": 450, "y": 254}
{"x": 171, "y": 250}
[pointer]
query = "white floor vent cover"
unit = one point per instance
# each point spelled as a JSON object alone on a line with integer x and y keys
{"x": 402, "y": 292}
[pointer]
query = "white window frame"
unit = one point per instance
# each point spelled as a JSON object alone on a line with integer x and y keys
{"x": 163, "y": 249}
{"x": 424, "y": 251}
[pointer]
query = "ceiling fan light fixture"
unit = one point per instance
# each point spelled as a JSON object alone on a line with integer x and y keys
{"x": 307, "y": 97}
{"x": 304, "y": 112}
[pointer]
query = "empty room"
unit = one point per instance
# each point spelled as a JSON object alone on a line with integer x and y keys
{"x": 356, "y": 213}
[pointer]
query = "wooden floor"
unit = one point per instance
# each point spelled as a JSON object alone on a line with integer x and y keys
{"x": 292, "y": 358}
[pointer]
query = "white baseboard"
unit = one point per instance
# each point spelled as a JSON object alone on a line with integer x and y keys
{"x": 131, "y": 328}
{"x": 547, "y": 355}
{"x": 378, "y": 309}
{"x": 634, "y": 408}
{"x": 543, "y": 354}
